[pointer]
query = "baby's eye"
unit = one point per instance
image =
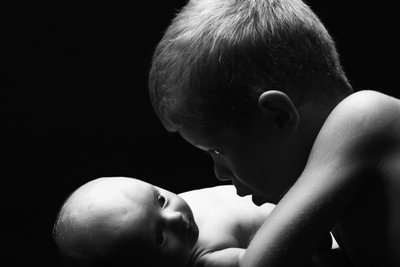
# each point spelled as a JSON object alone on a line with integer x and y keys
{"x": 161, "y": 200}
{"x": 159, "y": 238}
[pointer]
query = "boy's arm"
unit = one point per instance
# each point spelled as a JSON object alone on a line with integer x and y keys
{"x": 339, "y": 158}
{"x": 229, "y": 257}
{"x": 330, "y": 258}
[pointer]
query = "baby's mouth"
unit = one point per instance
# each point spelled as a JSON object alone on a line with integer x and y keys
{"x": 191, "y": 231}
{"x": 187, "y": 227}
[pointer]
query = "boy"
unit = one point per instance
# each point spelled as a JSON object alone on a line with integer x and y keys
{"x": 120, "y": 221}
{"x": 259, "y": 85}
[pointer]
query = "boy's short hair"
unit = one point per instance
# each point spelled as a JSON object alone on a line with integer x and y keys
{"x": 218, "y": 56}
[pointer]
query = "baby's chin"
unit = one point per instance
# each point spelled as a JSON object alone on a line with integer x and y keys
{"x": 194, "y": 233}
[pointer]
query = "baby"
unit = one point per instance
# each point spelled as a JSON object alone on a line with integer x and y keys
{"x": 119, "y": 221}
{"x": 118, "y": 218}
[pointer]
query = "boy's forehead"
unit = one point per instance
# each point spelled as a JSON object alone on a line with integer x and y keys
{"x": 201, "y": 141}
{"x": 225, "y": 137}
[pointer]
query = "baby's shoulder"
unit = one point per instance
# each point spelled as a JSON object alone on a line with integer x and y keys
{"x": 211, "y": 193}
{"x": 225, "y": 257}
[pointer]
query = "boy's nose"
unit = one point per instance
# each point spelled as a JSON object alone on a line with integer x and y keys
{"x": 222, "y": 173}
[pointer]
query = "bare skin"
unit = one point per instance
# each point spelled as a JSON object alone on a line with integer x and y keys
{"x": 223, "y": 239}
{"x": 159, "y": 225}
{"x": 353, "y": 168}
{"x": 207, "y": 227}
{"x": 347, "y": 163}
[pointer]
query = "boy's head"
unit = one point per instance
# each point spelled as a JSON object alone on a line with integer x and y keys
{"x": 233, "y": 76}
{"x": 125, "y": 222}
{"x": 218, "y": 56}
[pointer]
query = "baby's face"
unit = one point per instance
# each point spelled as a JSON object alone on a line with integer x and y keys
{"x": 133, "y": 211}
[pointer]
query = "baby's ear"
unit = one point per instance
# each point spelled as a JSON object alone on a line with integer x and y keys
{"x": 278, "y": 106}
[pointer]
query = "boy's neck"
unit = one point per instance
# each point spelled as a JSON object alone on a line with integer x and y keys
{"x": 312, "y": 118}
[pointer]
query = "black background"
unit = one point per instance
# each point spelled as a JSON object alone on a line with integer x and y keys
{"x": 74, "y": 102}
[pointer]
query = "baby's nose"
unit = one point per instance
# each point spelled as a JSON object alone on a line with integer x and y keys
{"x": 176, "y": 221}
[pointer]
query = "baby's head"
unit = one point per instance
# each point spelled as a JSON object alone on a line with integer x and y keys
{"x": 120, "y": 221}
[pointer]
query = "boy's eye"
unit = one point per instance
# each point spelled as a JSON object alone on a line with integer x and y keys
{"x": 161, "y": 200}
{"x": 159, "y": 238}
{"x": 215, "y": 152}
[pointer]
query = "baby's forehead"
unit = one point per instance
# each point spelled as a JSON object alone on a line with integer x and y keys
{"x": 107, "y": 187}
{"x": 97, "y": 194}
{"x": 112, "y": 201}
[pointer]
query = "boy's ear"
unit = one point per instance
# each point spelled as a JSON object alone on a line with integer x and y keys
{"x": 278, "y": 106}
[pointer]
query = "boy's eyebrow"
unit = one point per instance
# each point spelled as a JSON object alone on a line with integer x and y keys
{"x": 204, "y": 148}
{"x": 207, "y": 152}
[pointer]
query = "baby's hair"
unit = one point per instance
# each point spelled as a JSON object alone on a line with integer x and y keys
{"x": 60, "y": 231}
{"x": 122, "y": 253}
{"x": 218, "y": 56}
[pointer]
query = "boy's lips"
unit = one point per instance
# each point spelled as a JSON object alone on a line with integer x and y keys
{"x": 242, "y": 193}
{"x": 258, "y": 200}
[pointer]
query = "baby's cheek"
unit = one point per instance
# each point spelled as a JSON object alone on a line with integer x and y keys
{"x": 176, "y": 252}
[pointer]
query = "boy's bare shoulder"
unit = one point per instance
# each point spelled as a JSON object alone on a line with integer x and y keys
{"x": 361, "y": 122}
{"x": 370, "y": 104}
{"x": 366, "y": 107}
